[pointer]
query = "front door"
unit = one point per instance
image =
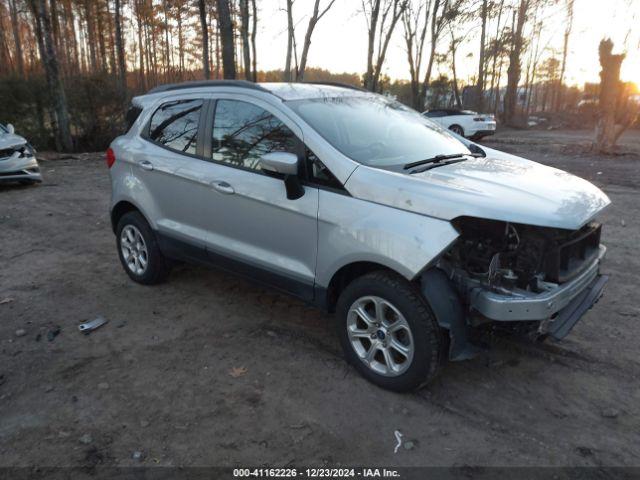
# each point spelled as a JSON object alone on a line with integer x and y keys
{"x": 246, "y": 220}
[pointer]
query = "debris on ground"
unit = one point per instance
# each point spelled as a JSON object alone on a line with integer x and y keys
{"x": 86, "y": 439}
{"x": 103, "y": 385}
{"x": 584, "y": 451}
{"x": 398, "y": 439}
{"x": 137, "y": 455}
{"x": 236, "y": 372}
{"x": 610, "y": 413}
{"x": 89, "y": 326}
{"x": 409, "y": 445}
{"x": 21, "y": 332}
{"x": 48, "y": 388}
{"x": 6, "y": 300}
{"x": 53, "y": 333}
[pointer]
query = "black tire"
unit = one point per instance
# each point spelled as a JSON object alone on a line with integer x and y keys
{"x": 158, "y": 267}
{"x": 428, "y": 338}
{"x": 457, "y": 129}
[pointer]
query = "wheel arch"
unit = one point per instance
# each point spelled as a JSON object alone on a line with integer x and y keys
{"x": 453, "y": 125}
{"x": 121, "y": 208}
{"x": 347, "y": 274}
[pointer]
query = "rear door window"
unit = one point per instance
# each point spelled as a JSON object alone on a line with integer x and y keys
{"x": 175, "y": 125}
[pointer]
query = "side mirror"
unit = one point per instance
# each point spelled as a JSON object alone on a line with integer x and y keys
{"x": 284, "y": 163}
{"x": 10, "y": 128}
{"x": 280, "y": 162}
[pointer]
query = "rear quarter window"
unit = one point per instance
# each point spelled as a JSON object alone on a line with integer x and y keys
{"x": 175, "y": 125}
{"x": 132, "y": 115}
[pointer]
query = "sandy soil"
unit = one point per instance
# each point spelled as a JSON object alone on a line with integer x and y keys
{"x": 157, "y": 379}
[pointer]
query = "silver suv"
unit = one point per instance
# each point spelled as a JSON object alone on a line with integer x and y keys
{"x": 416, "y": 238}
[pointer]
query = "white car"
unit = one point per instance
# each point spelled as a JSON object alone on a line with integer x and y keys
{"x": 465, "y": 123}
{"x": 17, "y": 158}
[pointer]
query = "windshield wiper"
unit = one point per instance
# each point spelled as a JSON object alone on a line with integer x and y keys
{"x": 437, "y": 159}
{"x": 436, "y": 165}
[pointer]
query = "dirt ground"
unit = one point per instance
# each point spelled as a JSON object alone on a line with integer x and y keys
{"x": 166, "y": 376}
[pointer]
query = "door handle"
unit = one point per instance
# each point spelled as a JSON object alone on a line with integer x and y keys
{"x": 222, "y": 187}
{"x": 146, "y": 165}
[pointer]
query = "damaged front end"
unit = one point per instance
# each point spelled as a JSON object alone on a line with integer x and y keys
{"x": 18, "y": 163}
{"x": 507, "y": 272}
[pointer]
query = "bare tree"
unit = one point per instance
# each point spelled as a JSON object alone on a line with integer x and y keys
{"x": 481, "y": 57}
{"x": 206, "y": 68}
{"x": 565, "y": 49}
{"x": 292, "y": 49}
{"x": 291, "y": 38}
{"x": 415, "y": 19}
{"x": 226, "y": 37}
{"x": 204, "y": 27}
{"x": 515, "y": 68}
{"x": 254, "y": 31}
{"x": 15, "y": 24}
{"x": 122, "y": 64}
{"x": 443, "y": 13}
{"x": 453, "y": 48}
{"x": 49, "y": 59}
{"x": 616, "y": 114}
{"x": 244, "y": 34}
{"x": 313, "y": 20}
{"x": 496, "y": 50}
{"x": 382, "y": 17}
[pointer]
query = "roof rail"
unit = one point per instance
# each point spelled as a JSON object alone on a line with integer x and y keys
{"x": 337, "y": 84}
{"x": 207, "y": 83}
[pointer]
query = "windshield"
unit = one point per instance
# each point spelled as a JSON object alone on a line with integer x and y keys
{"x": 376, "y": 131}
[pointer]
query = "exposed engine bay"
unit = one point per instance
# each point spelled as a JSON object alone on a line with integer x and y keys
{"x": 505, "y": 256}
{"x": 20, "y": 151}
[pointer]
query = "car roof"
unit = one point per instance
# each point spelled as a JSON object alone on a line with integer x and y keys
{"x": 282, "y": 90}
{"x": 299, "y": 91}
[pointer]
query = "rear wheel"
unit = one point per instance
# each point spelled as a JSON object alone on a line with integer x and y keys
{"x": 388, "y": 332}
{"x": 138, "y": 250}
{"x": 457, "y": 129}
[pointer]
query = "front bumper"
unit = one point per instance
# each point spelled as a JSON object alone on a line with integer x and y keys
{"x": 16, "y": 169}
{"x": 527, "y": 306}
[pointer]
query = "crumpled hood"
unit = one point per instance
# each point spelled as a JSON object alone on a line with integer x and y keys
{"x": 8, "y": 140}
{"x": 499, "y": 187}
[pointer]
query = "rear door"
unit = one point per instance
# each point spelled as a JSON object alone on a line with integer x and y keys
{"x": 171, "y": 144}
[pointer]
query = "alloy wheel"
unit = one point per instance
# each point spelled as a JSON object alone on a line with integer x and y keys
{"x": 134, "y": 250}
{"x": 380, "y": 335}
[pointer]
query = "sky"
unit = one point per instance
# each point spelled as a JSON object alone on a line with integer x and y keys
{"x": 339, "y": 42}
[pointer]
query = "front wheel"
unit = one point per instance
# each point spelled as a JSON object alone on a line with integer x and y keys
{"x": 388, "y": 332}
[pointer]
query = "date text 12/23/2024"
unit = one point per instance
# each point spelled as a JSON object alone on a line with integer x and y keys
{"x": 315, "y": 473}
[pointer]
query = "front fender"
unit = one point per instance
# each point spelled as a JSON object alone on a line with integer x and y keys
{"x": 352, "y": 230}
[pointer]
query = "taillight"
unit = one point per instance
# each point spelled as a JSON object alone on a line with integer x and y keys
{"x": 110, "y": 157}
